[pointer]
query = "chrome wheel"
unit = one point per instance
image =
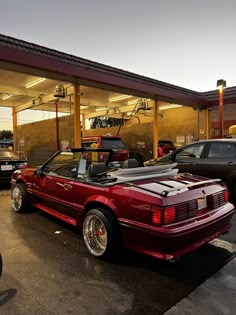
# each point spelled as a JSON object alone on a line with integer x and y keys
{"x": 17, "y": 199}
{"x": 95, "y": 234}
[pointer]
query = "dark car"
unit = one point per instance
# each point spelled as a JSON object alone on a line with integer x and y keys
{"x": 152, "y": 210}
{"x": 9, "y": 162}
{"x": 215, "y": 158}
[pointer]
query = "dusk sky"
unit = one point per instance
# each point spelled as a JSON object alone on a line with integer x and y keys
{"x": 188, "y": 43}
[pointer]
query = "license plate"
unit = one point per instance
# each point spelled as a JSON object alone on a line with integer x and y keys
{"x": 201, "y": 203}
{"x": 7, "y": 167}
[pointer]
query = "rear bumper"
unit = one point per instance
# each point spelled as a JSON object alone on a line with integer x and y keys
{"x": 173, "y": 241}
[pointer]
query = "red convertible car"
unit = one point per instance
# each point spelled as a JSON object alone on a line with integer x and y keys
{"x": 153, "y": 210}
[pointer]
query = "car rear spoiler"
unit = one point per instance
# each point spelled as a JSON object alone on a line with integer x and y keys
{"x": 165, "y": 192}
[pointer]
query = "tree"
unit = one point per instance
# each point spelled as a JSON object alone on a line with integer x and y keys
{"x": 6, "y": 134}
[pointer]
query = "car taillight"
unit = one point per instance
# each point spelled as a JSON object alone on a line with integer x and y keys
{"x": 169, "y": 214}
{"x": 23, "y": 165}
{"x": 163, "y": 215}
{"x": 226, "y": 195}
{"x": 156, "y": 214}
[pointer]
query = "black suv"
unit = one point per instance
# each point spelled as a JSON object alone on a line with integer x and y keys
{"x": 215, "y": 158}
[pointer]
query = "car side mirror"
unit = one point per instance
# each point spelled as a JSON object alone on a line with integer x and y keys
{"x": 38, "y": 172}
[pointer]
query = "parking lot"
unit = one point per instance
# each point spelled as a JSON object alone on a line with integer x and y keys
{"x": 48, "y": 270}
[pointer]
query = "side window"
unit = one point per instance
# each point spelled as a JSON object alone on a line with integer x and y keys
{"x": 191, "y": 152}
{"x": 65, "y": 165}
{"x": 91, "y": 144}
{"x": 222, "y": 150}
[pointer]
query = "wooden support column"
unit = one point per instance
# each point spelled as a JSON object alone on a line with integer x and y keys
{"x": 14, "y": 122}
{"x": 207, "y": 123}
{"x": 77, "y": 123}
{"x": 155, "y": 129}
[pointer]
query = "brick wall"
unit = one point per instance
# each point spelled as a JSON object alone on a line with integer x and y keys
{"x": 174, "y": 124}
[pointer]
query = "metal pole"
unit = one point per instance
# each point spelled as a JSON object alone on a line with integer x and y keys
{"x": 221, "y": 122}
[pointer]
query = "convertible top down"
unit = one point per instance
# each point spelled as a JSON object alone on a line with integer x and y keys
{"x": 153, "y": 210}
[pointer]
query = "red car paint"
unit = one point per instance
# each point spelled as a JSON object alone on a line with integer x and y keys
{"x": 135, "y": 197}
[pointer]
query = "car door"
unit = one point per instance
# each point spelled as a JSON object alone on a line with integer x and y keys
{"x": 190, "y": 158}
{"x": 221, "y": 160}
{"x": 56, "y": 187}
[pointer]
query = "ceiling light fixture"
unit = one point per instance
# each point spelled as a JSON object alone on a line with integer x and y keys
{"x": 98, "y": 109}
{"x": 171, "y": 106}
{"x": 119, "y": 98}
{"x": 35, "y": 82}
{"x": 6, "y": 97}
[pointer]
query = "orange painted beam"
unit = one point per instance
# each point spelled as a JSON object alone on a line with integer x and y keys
{"x": 155, "y": 129}
{"x": 77, "y": 123}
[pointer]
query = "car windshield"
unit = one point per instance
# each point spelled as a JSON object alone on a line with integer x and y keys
{"x": 75, "y": 164}
{"x": 4, "y": 155}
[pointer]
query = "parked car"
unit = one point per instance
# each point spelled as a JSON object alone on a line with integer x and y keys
{"x": 9, "y": 162}
{"x": 152, "y": 210}
{"x": 210, "y": 158}
{"x": 116, "y": 143}
{"x": 165, "y": 147}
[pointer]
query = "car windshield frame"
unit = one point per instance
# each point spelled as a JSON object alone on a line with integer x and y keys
{"x": 74, "y": 163}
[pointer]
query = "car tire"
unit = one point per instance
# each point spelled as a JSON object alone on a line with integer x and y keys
{"x": 101, "y": 234}
{"x": 20, "y": 198}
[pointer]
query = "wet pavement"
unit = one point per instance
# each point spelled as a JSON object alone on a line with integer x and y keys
{"x": 47, "y": 270}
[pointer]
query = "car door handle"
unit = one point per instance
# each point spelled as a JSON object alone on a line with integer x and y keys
{"x": 60, "y": 184}
{"x": 65, "y": 186}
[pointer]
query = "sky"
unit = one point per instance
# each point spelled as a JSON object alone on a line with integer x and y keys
{"x": 188, "y": 43}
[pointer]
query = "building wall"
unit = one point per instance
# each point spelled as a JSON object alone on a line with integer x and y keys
{"x": 181, "y": 125}
{"x": 229, "y": 117}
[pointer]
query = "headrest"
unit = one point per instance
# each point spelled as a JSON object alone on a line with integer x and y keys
{"x": 130, "y": 163}
{"x": 95, "y": 169}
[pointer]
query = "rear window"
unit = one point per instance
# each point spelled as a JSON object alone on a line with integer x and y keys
{"x": 8, "y": 155}
{"x": 88, "y": 143}
{"x": 166, "y": 143}
{"x": 113, "y": 143}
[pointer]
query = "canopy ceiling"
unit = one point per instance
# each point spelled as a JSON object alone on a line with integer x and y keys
{"x": 104, "y": 90}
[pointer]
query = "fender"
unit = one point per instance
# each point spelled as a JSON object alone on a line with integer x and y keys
{"x": 103, "y": 201}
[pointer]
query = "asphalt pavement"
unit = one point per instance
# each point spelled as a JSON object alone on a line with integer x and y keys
{"x": 216, "y": 296}
{"x": 47, "y": 270}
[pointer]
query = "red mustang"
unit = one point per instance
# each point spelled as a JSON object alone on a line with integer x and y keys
{"x": 153, "y": 210}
